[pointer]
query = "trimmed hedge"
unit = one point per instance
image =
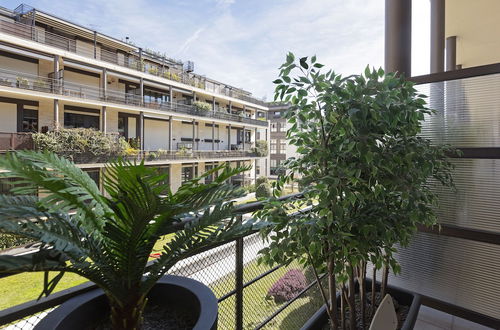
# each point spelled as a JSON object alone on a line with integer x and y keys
{"x": 288, "y": 286}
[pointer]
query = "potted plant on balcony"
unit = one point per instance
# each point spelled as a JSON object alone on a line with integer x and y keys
{"x": 366, "y": 171}
{"x": 22, "y": 82}
{"x": 202, "y": 106}
{"x": 109, "y": 237}
{"x": 40, "y": 85}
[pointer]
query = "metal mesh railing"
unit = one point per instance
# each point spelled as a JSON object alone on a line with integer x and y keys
{"x": 233, "y": 273}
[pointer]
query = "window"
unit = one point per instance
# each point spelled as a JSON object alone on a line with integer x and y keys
{"x": 162, "y": 170}
{"x": 94, "y": 175}
{"x": 208, "y": 167}
{"x": 282, "y": 146}
{"x": 282, "y": 127}
{"x": 29, "y": 121}
{"x": 274, "y": 127}
{"x": 274, "y": 162}
{"x": 76, "y": 120}
{"x": 273, "y": 146}
{"x": 188, "y": 172}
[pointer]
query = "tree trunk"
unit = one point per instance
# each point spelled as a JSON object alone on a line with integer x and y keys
{"x": 352, "y": 300}
{"x": 128, "y": 316}
{"x": 332, "y": 288}
{"x": 374, "y": 281}
{"x": 362, "y": 291}
{"x": 342, "y": 307}
{"x": 383, "y": 286}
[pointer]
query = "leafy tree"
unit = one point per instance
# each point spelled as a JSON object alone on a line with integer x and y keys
{"x": 367, "y": 174}
{"x": 261, "y": 179}
{"x": 263, "y": 190}
{"x": 109, "y": 238}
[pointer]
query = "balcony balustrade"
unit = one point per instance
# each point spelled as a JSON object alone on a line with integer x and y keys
{"x": 131, "y": 61}
{"x": 60, "y": 87}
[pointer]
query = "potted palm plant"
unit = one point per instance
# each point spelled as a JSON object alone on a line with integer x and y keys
{"x": 108, "y": 237}
{"x": 366, "y": 175}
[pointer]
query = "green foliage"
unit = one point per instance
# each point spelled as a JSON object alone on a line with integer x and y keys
{"x": 250, "y": 188}
{"x": 365, "y": 166}
{"x": 202, "y": 106}
{"x": 109, "y": 236}
{"x": 263, "y": 190}
{"x": 261, "y": 148}
{"x": 261, "y": 179}
{"x": 8, "y": 241}
{"x": 80, "y": 140}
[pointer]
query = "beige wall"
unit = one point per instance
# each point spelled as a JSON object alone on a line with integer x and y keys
{"x": 155, "y": 134}
{"x": 12, "y": 64}
{"x": 82, "y": 79}
{"x": 175, "y": 176}
{"x": 476, "y": 25}
{"x": 8, "y": 112}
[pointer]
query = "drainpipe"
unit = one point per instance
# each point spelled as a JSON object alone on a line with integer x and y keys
{"x": 437, "y": 35}
{"x": 398, "y": 36}
{"x": 451, "y": 53}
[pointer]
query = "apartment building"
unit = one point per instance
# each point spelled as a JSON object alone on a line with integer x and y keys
{"x": 56, "y": 73}
{"x": 280, "y": 149}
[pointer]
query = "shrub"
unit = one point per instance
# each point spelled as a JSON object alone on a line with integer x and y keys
{"x": 288, "y": 286}
{"x": 202, "y": 106}
{"x": 80, "y": 140}
{"x": 8, "y": 241}
{"x": 260, "y": 180}
{"x": 263, "y": 190}
{"x": 260, "y": 148}
{"x": 250, "y": 188}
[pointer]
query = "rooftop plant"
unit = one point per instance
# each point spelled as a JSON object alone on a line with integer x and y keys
{"x": 366, "y": 173}
{"x": 110, "y": 236}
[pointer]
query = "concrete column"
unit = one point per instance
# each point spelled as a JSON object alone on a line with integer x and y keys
{"x": 104, "y": 126}
{"x": 57, "y": 87}
{"x": 142, "y": 90}
{"x": 141, "y": 129}
{"x": 194, "y": 96}
{"x": 213, "y": 135}
{"x": 194, "y": 136}
{"x": 170, "y": 125}
{"x": 437, "y": 35}
{"x": 56, "y": 114}
{"x": 213, "y": 104}
{"x": 229, "y": 137}
{"x": 451, "y": 53}
{"x": 398, "y": 36}
{"x": 230, "y": 107}
{"x": 104, "y": 83}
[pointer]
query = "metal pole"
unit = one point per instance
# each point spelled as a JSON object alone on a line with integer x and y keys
{"x": 398, "y": 36}
{"x": 437, "y": 35}
{"x": 239, "y": 280}
{"x": 451, "y": 53}
{"x": 95, "y": 44}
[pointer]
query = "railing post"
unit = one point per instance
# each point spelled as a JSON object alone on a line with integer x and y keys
{"x": 239, "y": 281}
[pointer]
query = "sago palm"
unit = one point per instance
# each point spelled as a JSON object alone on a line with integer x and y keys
{"x": 108, "y": 238}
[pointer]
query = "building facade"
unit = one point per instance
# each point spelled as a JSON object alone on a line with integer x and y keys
{"x": 280, "y": 149}
{"x": 55, "y": 73}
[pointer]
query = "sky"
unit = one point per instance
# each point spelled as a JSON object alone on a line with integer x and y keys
{"x": 243, "y": 42}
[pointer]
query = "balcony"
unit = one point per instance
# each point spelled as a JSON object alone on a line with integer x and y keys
{"x": 133, "y": 61}
{"x": 59, "y": 87}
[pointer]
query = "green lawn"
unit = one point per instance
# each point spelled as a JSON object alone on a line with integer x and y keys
{"x": 18, "y": 289}
{"x": 257, "y": 308}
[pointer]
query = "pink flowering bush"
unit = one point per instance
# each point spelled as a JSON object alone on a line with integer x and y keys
{"x": 288, "y": 286}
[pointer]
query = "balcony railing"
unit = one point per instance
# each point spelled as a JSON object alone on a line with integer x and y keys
{"x": 158, "y": 156}
{"x": 61, "y": 87}
{"x": 131, "y": 61}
